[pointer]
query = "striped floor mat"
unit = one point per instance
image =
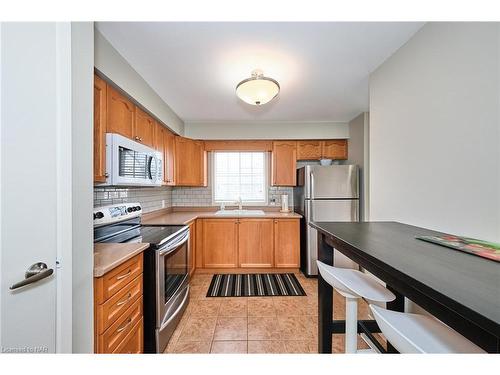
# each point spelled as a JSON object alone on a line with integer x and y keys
{"x": 255, "y": 285}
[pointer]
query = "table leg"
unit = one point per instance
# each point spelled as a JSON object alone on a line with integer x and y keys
{"x": 325, "y": 300}
{"x": 397, "y": 305}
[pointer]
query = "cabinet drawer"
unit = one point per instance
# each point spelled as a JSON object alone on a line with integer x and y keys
{"x": 133, "y": 343}
{"x": 116, "y": 333}
{"x": 110, "y": 310}
{"x": 113, "y": 281}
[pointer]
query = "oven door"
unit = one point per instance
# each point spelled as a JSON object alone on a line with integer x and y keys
{"x": 171, "y": 276}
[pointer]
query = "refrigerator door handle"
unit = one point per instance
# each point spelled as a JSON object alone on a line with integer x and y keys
{"x": 354, "y": 211}
{"x": 312, "y": 185}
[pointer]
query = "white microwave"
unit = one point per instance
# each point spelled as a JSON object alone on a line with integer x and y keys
{"x": 130, "y": 163}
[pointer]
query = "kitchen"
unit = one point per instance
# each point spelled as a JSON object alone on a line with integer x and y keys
{"x": 231, "y": 216}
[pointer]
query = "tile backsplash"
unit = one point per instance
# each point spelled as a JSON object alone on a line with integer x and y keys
{"x": 202, "y": 197}
{"x": 155, "y": 198}
{"x": 150, "y": 198}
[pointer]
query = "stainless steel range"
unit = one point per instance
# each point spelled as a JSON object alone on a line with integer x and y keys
{"x": 166, "y": 280}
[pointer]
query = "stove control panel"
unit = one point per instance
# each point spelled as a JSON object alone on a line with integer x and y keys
{"x": 116, "y": 212}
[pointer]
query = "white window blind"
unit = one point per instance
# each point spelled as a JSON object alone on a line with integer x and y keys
{"x": 240, "y": 175}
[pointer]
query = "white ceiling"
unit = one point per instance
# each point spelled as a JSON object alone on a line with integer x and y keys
{"x": 322, "y": 68}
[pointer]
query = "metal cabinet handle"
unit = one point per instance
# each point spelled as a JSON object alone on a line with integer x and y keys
{"x": 123, "y": 302}
{"x": 124, "y": 276}
{"x": 124, "y": 326}
{"x": 36, "y": 272}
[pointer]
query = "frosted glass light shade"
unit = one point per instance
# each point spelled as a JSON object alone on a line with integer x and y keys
{"x": 258, "y": 89}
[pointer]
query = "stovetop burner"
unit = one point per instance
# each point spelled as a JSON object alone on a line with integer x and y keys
{"x": 119, "y": 226}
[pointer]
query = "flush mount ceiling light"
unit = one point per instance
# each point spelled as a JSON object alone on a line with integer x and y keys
{"x": 257, "y": 90}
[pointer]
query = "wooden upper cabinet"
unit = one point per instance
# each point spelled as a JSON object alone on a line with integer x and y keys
{"x": 334, "y": 149}
{"x": 286, "y": 243}
{"x": 159, "y": 137}
{"x": 220, "y": 243}
{"x": 169, "y": 157}
{"x": 308, "y": 150}
{"x": 284, "y": 163}
{"x": 255, "y": 243}
{"x": 100, "y": 89}
{"x": 327, "y": 149}
{"x": 144, "y": 128}
{"x": 120, "y": 114}
{"x": 190, "y": 162}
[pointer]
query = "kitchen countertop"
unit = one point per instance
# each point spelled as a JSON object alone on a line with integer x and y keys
{"x": 184, "y": 217}
{"x": 110, "y": 255}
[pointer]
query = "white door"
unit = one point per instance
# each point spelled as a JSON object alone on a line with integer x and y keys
{"x": 34, "y": 171}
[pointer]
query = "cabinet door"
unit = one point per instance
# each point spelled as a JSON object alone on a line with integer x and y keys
{"x": 100, "y": 89}
{"x": 144, "y": 128}
{"x": 192, "y": 247}
{"x": 284, "y": 163}
{"x": 190, "y": 162}
{"x": 159, "y": 137}
{"x": 120, "y": 114}
{"x": 334, "y": 149}
{"x": 134, "y": 342}
{"x": 308, "y": 150}
{"x": 169, "y": 157}
{"x": 201, "y": 163}
{"x": 255, "y": 243}
{"x": 286, "y": 243}
{"x": 220, "y": 243}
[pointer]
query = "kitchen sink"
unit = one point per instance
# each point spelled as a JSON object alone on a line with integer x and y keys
{"x": 240, "y": 213}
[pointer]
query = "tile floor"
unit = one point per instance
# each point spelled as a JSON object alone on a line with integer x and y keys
{"x": 254, "y": 324}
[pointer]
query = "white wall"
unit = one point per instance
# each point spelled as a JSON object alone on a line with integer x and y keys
{"x": 434, "y": 131}
{"x": 266, "y": 130}
{"x": 82, "y": 104}
{"x": 109, "y": 62}
{"x": 358, "y": 154}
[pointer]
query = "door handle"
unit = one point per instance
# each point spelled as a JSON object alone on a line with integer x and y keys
{"x": 36, "y": 272}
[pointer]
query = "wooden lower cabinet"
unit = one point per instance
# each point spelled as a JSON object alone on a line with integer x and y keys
{"x": 192, "y": 247}
{"x": 286, "y": 243}
{"x": 220, "y": 243}
{"x": 134, "y": 342}
{"x": 248, "y": 243}
{"x": 118, "y": 309}
{"x": 255, "y": 243}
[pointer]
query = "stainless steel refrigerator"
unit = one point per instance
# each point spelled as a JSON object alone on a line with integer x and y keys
{"x": 324, "y": 193}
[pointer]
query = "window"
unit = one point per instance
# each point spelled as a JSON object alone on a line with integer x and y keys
{"x": 240, "y": 175}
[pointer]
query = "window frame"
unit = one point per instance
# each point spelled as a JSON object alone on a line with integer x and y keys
{"x": 265, "y": 202}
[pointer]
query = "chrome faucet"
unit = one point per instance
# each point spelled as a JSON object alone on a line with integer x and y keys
{"x": 240, "y": 204}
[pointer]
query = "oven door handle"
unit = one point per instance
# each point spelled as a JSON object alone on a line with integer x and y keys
{"x": 176, "y": 312}
{"x": 172, "y": 246}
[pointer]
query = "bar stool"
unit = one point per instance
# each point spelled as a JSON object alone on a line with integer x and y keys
{"x": 353, "y": 284}
{"x": 416, "y": 333}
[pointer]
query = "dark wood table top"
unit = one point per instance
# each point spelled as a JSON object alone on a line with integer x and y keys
{"x": 471, "y": 281}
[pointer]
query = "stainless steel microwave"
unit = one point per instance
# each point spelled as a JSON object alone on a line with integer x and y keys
{"x": 130, "y": 163}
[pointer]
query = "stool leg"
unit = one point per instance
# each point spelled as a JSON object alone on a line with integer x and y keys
{"x": 351, "y": 325}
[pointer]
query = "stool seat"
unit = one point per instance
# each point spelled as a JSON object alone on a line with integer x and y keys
{"x": 354, "y": 284}
{"x": 416, "y": 333}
